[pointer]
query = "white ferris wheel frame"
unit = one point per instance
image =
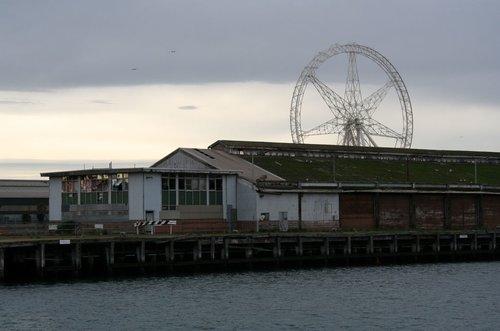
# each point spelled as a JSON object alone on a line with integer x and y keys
{"x": 352, "y": 116}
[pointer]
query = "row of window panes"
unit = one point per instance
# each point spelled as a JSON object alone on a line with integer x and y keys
{"x": 119, "y": 197}
{"x": 95, "y": 198}
{"x": 190, "y": 198}
{"x": 70, "y": 184}
{"x": 168, "y": 200}
{"x": 193, "y": 198}
{"x": 95, "y": 183}
{"x": 168, "y": 183}
{"x": 69, "y": 198}
{"x": 119, "y": 182}
{"x": 192, "y": 182}
{"x": 192, "y": 190}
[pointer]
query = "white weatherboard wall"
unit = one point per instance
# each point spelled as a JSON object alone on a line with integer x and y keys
{"x": 229, "y": 194}
{"x": 246, "y": 198}
{"x": 320, "y": 207}
{"x": 144, "y": 195}
{"x": 55, "y": 198}
{"x": 152, "y": 194}
{"x": 136, "y": 196}
{"x": 276, "y": 203}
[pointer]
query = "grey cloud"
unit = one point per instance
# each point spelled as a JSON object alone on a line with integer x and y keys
{"x": 15, "y": 102}
{"x": 101, "y": 101}
{"x": 448, "y": 45}
{"x": 187, "y": 107}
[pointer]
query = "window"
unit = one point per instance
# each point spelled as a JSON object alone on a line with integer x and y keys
{"x": 94, "y": 189}
{"x": 190, "y": 189}
{"x": 215, "y": 190}
{"x": 168, "y": 191}
{"x": 69, "y": 190}
{"x": 119, "y": 188}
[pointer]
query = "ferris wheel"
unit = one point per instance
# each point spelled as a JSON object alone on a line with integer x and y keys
{"x": 351, "y": 117}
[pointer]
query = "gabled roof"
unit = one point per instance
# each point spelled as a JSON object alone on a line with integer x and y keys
{"x": 219, "y": 160}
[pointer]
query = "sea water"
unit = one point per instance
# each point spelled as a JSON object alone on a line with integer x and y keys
{"x": 454, "y": 296}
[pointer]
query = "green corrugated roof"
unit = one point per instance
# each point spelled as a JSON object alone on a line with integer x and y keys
{"x": 327, "y": 163}
{"x": 301, "y": 169}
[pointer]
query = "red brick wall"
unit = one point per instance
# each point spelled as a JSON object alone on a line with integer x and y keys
{"x": 394, "y": 211}
{"x": 491, "y": 211}
{"x": 356, "y": 211}
{"x": 429, "y": 211}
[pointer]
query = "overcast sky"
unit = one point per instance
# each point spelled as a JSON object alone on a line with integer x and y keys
{"x": 98, "y": 81}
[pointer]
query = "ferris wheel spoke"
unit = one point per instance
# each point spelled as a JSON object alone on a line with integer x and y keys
{"x": 371, "y": 103}
{"x": 352, "y": 94}
{"x": 367, "y": 138}
{"x": 334, "y": 101}
{"x": 375, "y": 128}
{"x": 329, "y": 127}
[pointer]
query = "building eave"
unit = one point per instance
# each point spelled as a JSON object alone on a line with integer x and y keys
{"x": 134, "y": 170}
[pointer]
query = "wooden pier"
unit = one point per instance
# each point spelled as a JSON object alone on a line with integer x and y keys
{"x": 78, "y": 256}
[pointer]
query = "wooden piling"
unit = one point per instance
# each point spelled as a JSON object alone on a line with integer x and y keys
{"x": 249, "y": 248}
{"x": 370, "y": 245}
{"x": 437, "y": 244}
{"x": 2, "y": 264}
{"x": 172, "y": 251}
{"x": 110, "y": 256}
{"x": 197, "y": 250}
{"x": 348, "y": 247}
{"x": 277, "y": 248}
{"x": 225, "y": 251}
{"x": 326, "y": 247}
{"x": 418, "y": 248}
{"x": 76, "y": 257}
{"x": 40, "y": 259}
{"x": 212, "y": 248}
{"x": 141, "y": 252}
{"x": 300, "y": 246}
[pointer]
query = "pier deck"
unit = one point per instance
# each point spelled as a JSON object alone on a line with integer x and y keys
{"x": 38, "y": 257}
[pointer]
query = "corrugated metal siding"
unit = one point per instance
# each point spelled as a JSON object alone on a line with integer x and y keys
{"x": 394, "y": 211}
{"x": 320, "y": 207}
{"x": 429, "y": 211}
{"x": 356, "y": 211}
{"x": 463, "y": 213}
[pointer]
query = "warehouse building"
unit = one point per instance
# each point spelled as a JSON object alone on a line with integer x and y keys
{"x": 260, "y": 185}
{"x": 23, "y": 201}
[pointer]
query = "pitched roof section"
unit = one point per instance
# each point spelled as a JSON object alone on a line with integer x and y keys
{"x": 182, "y": 158}
{"x": 195, "y": 158}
